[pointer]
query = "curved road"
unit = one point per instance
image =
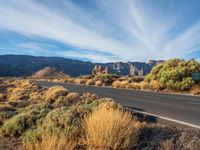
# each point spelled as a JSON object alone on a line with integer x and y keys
{"x": 177, "y": 107}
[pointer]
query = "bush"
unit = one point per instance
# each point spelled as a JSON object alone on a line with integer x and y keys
{"x": 195, "y": 90}
{"x": 98, "y": 83}
{"x": 6, "y": 112}
{"x": 106, "y": 78}
{"x": 154, "y": 85}
{"x": 134, "y": 86}
{"x": 90, "y": 82}
{"x": 111, "y": 128}
{"x": 144, "y": 85}
{"x": 174, "y": 74}
{"x": 52, "y": 143}
{"x": 79, "y": 81}
{"x": 120, "y": 84}
{"x": 24, "y": 120}
{"x": 72, "y": 98}
{"x": 54, "y": 92}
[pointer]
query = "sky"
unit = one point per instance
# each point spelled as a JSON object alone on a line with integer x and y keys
{"x": 101, "y": 30}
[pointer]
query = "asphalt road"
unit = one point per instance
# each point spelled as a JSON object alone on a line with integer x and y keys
{"x": 178, "y": 107}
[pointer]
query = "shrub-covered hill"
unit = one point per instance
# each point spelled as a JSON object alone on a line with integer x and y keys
{"x": 175, "y": 74}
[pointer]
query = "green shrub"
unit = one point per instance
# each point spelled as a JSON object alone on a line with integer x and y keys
{"x": 174, "y": 74}
{"x": 25, "y": 119}
{"x": 6, "y": 112}
{"x": 60, "y": 121}
{"x": 106, "y": 78}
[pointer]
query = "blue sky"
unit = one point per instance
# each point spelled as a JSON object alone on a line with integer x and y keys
{"x": 101, "y": 30}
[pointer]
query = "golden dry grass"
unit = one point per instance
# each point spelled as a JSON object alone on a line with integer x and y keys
{"x": 134, "y": 85}
{"x": 54, "y": 92}
{"x": 195, "y": 90}
{"x": 119, "y": 84}
{"x": 52, "y": 143}
{"x": 90, "y": 82}
{"x": 36, "y": 96}
{"x": 79, "y": 81}
{"x": 167, "y": 145}
{"x": 98, "y": 83}
{"x": 144, "y": 85}
{"x": 154, "y": 84}
{"x": 111, "y": 128}
{"x": 72, "y": 98}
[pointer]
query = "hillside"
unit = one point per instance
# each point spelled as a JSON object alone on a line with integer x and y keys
{"x": 49, "y": 72}
{"x": 23, "y": 65}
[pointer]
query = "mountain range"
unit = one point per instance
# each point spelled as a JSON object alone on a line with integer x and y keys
{"x": 24, "y": 65}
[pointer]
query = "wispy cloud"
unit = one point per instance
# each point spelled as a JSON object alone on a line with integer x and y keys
{"x": 126, "y": 30}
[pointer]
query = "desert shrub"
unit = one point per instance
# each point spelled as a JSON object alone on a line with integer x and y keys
{"x": 3, "y": 97}
{"x": 37, "y": 96}
{"x": 88, "y": 97}
{"x": 98, "y": 83}
{"x": 54, "y": 92}
{"x": 120, "y": 84}
{"x": 79, "y": 81}
{"x": 17, "y": 94}
{"x": 52, "y": 143}
{"x": 6, "y": 112}
{"x": 66, "y": 121}
{"x": 106, "y": 78}
{"x": 144, "y": 85}
{"x": 19, "y": 104}
{"x": 116, "y": 84}
{"x": 25, "y": 119}
{"x": 70, "y": 80}
{"x": 111, "y": 128}
{"x": 195, "y": 90}
{"x": 21, "y": 90}
{"x": 108, "y": 103}
{"x": 90, "y": 82}
{"x": 167, "y": 145}
{"x": 72, "y": 98}
{"x": 134, "y": 86}
{"x": 154, "y": 84}
{"x": 174, "y": 74}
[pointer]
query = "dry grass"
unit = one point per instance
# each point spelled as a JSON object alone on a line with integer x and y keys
{"x": 54, "y": 92}
{"x": 195, "y": 90}
{"x": 90, "y": 82}
{"x": 36, "y": 96}
{"x": 154, "y": 84}
{"x": 52, "y": 143}
{"x": 119, "y": 84}
{"x": 144, "y": 85}
{"x": 134, "y": 85}
{"x": 98, "y": 83}
{"x": 79, "y": 81}
{"x": 72, "y": 98}
{"x": 111, "y": 128}
{"x": 167, "y": 145}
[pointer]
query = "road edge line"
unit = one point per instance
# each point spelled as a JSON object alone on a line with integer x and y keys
{"x": 166, "y": 118}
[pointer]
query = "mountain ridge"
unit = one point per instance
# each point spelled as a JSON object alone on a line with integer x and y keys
{"x": 26, "y": 65}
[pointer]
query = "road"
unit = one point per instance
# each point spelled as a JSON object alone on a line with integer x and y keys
{"x": 181, "y": 108}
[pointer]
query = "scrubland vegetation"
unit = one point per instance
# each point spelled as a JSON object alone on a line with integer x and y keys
{"x": 38, "y": 118}
{"x": 55, "y": 118}
{"x": 174, "y": 75}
